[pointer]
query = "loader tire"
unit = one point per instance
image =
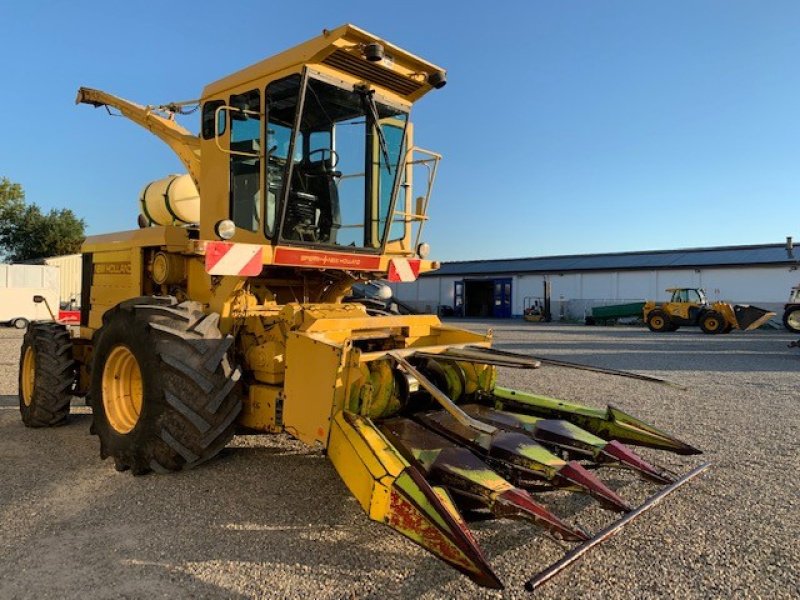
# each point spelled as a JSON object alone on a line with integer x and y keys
{"x": 791, "y": 319}
{"x": 712, "y": 323}
{"x": 659, "y": 321}
{"x": 46, "y": 375}
{"x": 162, "y": 386}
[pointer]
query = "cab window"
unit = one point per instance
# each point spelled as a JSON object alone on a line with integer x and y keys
{"x": 281, "y": 106}
{"x": 245, "y": 165}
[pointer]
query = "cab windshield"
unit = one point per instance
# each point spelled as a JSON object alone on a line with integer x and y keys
{"x": 341, "y": 160}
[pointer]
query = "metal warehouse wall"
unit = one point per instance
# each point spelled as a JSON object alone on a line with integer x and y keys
{"x": 70, "y": 269}
{"x": 573, "y": 294}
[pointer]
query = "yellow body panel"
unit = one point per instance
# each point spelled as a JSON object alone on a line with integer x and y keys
{"x": 314, "y": 386}
{"x": 174, "y": 239}
{"x": 366, "y": 462}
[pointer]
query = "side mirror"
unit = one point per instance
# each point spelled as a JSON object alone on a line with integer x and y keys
{"x": 38, "y": 299}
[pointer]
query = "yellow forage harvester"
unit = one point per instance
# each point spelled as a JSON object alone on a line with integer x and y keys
{"x": 225, "y": 310}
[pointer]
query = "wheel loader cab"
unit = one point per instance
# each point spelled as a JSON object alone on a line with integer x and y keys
{"x": 332, "y": 156}
{"x": 691, "y": 295}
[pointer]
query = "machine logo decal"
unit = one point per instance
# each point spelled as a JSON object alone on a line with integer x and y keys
{"x": 225, "y": 258}
{"x": 333, "y": 260}
{"x": 117, "y": 268}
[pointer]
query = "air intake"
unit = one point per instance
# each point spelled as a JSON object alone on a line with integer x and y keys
{"x": 372, "y": 72}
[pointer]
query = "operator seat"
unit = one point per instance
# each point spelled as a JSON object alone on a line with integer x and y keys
{"x": 313, "y": 213}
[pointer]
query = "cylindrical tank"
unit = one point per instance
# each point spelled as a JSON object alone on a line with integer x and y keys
{"x": 174, "y": 199}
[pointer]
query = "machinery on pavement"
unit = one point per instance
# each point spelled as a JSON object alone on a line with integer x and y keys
{"x": 225, "y": 310}
{"x": 791, "y": 311}
{"x": 689, "y": 306}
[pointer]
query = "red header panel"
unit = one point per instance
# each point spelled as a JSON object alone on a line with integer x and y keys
{"x": 299, "y": 257}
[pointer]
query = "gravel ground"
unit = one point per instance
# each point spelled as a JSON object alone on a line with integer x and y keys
{"x": 270, "y": 519}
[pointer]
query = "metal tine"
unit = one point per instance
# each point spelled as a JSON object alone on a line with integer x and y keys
{"x": 521, "y": 458}
{"x": 609, "y": 422}
{"x": 456, "y": 468}
{"x": 573, "y": 440}
{"x": 486, "y": 356}
{"x": 520, "y": 453}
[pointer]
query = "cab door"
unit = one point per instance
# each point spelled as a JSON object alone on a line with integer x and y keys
{"x": 231, "y": 185}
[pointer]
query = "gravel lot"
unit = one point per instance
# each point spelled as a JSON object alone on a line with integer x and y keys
{"x": 270, "y": 519}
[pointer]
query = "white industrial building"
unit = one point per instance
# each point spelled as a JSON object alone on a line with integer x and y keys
{"x": 761, "y": 275}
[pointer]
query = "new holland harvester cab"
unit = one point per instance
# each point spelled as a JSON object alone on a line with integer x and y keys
{"x": 223, "y": 311}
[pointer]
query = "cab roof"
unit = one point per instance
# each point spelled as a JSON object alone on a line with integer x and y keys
{"x": 400, "y": 72}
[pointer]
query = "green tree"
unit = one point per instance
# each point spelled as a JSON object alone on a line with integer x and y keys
{"x": 27, "y": 233}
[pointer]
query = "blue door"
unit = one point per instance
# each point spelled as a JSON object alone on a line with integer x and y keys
{"x": 501, "y": 308}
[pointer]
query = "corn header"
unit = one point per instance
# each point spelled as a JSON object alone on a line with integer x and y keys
{"x": 223, "y": 311}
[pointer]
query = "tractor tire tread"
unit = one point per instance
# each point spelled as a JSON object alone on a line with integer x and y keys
{"x": 196, "y": 405}
{"x": 54, "y": 375}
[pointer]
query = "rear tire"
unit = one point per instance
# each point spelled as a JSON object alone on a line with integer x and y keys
{"x": 712, "y": 323}
{"x": 162, "y": 386}
{"x": 791, "y": 319}
{"x": 659, "y": 321}
{"x": 46, "y": 375}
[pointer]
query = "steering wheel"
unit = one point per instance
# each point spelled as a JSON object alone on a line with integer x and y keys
{"x": 334, "y": 156}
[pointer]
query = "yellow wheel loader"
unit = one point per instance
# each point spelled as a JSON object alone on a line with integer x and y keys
{"x": 689, "y": 306}
{"x": 224, "y": 311}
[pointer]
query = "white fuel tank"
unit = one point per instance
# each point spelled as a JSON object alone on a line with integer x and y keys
{"x": 174, "y": 199}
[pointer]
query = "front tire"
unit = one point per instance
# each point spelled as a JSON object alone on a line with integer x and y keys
{"x": 791, "y": 319}
{"x": 712, "y": 323}
{"x": 20, "y": 323}
{"x": 46, "y": 375}
{"x": 162, "y": 387}
{"x": 659, "y": 321}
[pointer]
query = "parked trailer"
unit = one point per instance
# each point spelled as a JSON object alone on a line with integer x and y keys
{"x": 19, "y": 284}
{"x": 608, "y": 315}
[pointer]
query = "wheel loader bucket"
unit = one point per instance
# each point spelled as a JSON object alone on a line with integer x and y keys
{"x": 751, "y": 317}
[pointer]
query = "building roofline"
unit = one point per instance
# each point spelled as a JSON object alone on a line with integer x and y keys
{"x": 627, "y": 253}
{"x": 753, "y": 255}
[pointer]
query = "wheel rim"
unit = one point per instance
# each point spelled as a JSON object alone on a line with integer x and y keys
{"x": 658, "y": 322}
{"x": 122, "y": 389}
{"x": 28, "y": 375}
{"x": 712, "y": 324}
{"x": 794, "y": 319}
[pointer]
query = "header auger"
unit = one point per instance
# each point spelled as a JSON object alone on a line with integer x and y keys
{"x": 224, "y": 310}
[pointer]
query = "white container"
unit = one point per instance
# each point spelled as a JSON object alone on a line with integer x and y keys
{"x": 70, "y": 271}
{"x": 172, "y": 200}
{"x": 19, "y": 284}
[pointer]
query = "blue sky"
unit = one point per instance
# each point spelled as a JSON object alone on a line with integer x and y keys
{"x": 566, "y": 127}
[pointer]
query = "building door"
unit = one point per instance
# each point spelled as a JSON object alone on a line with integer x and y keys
{"x": 458, "y": 299}
{"x": 502, "y": 299}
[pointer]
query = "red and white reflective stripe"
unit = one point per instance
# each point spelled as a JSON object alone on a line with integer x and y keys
{"x": 403, "y": 269}
{"x": 226, "y": 258}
